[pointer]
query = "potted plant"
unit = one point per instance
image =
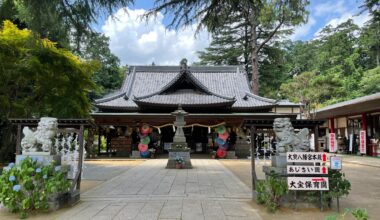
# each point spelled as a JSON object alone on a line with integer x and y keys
{"x": 179, "y": 163}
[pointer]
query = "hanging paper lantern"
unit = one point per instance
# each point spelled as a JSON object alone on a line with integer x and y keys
{"x": 220, "y": 129}
{"x": 145, "y": 129}
{"x": 145, "y": 140}
{"x": 143, "y": 147}
{"x": 224, "y": 136}
{"x": 221, "y": 153}
{"x": 219, "y": 141}
{"x": 145, "y": 154}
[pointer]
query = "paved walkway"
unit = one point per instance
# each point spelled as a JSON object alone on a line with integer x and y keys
{"x": 149, "y": 191}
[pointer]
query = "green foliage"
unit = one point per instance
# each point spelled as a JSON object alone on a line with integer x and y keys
{"x": 263, "y": 20}
{"x": 338, "y": 186}
{"x": 28, "y": 187}
{"x": 39, "y": 79}
{"x": 109, "y": 76}
{"x": 358, "y": 214}
{"x": 370, "y": 83}
{"x": 270, "y": 191}
{"x": 65, "y": 22}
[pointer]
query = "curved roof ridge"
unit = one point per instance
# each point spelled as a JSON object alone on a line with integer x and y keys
{"x": 260, "y": 98}
{"x": 185, "y": 73}
{"x": 120, "y": 92}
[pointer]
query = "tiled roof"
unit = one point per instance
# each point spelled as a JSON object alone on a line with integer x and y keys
{"x": 221, "y": 84}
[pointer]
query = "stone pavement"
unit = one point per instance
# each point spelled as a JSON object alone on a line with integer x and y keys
{"x": 361, "y": 160}
{"x": 149, "y": 191}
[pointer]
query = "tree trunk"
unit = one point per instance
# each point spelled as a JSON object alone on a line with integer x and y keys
{"x": 254, "y": 57}
{"x": 255, "y": 73}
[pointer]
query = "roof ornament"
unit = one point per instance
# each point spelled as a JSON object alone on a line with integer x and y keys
{"x": 183, "y": 64}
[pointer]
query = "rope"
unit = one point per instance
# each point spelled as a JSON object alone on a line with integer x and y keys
{"x": 187, "y": 126}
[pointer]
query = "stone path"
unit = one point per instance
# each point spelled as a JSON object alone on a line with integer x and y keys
{"x": 149, "y": 191}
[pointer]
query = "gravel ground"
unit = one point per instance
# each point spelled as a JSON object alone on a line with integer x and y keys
{"x": 365, "y": 191}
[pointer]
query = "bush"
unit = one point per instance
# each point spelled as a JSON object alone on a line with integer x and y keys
{"x": 358, "y": 214}
{"x": 29, "y": 186}
{"x": 270, "y": 191}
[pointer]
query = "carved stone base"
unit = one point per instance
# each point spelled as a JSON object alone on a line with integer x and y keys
{"x": 179, "y": 153}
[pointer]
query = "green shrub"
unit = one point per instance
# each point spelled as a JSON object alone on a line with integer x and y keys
{"x": 29, "y": 186}
{"x": 358, "y": 214}
{"x": 270, "y": 191}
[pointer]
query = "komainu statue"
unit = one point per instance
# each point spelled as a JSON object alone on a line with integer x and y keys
{"x": 41, "y": 139}
{"x": 287, "y": 139}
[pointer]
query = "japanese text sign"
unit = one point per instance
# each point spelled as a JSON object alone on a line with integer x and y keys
{"x": 332, "y": 142}
{"x": 363, "y": 142}
{"x": 307, "y": 170}
{"x": 314, "y": 157}
{"x": 308, "y": 183}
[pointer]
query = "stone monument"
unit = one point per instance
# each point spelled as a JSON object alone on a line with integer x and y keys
{"x": 287, "y": 141}
{"x": 39, "y": 144}
{"x": 179, "y": 150}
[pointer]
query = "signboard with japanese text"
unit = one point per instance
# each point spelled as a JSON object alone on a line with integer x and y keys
{"x": 308, "y": 183}
{"x": 351, "y": 142}
{"x": 335, "y": 163}
{"x": 332, "y": 142}
{"x": 363, "y": 142}
{"x": 307, "y": 170}
{"x": 313, "y": 157}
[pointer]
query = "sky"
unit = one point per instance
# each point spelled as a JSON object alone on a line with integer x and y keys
{"x": 139, "y": 42}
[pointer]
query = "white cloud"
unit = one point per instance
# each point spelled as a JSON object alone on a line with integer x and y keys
{"x": 136, "y": 41}
{"x": 357, "y": 19}
{"x": 330, "y": 7}
{"x": 303, "y": 30}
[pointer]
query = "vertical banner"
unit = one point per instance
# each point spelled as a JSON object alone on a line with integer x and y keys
{"x": 363, "y": 142}
{"x": 351, "y": 142}
{"x": 332, "y": 142}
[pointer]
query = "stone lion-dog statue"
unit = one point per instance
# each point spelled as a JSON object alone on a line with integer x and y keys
{"x": 287, "y": 139}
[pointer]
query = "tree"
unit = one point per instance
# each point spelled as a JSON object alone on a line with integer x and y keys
{"x": 109, "y": 76}
{"x": 370, "y": 83}
{"x": 39, "y": 79}
{"x": 63, "y": 21}
{"x": 265, "y": 19}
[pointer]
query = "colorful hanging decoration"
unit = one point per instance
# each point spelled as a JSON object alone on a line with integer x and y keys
{"x": 221, "y": 141}
{"x": 143, "y": 147}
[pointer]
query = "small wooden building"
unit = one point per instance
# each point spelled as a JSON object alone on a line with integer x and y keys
{"x": 350, "y": 118}
{"x": 211, "y": 95}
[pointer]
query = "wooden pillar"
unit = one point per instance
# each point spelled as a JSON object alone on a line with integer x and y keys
{"x": 364, "y": 122}
{"x": 253, "y": 151}
{"x": 332, "y": 126}
{"x": 18, "y": 141}
{"x": 78, "y": 176}
{"x": 316, "y": 137}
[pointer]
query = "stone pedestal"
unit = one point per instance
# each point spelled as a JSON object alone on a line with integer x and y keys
{"x": 43, "y": 158}
{"x": 179, "y": 153}
{"x": 135, "y": 154}
{"x": 231, "y": 155}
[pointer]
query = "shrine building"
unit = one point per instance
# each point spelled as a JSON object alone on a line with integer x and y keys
{"x": 212, "y": 96}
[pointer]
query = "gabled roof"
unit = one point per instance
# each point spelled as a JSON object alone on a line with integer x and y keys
{"x": 355, "y": 106}
{"x": 216, "y": 86}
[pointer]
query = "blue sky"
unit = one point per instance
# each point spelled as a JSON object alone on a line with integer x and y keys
{"x": 138, "y": 42}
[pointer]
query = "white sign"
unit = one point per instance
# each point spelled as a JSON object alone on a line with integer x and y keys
{"x": 335, "y": 163}
{"x": 332, "y": 143}
{"x": 313, "y": 157}
{"x": 363, "y": 142}
{"x": 308, "y": 183}
{"x": 307, "y": 169}
{"x": 351, "y": 142}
